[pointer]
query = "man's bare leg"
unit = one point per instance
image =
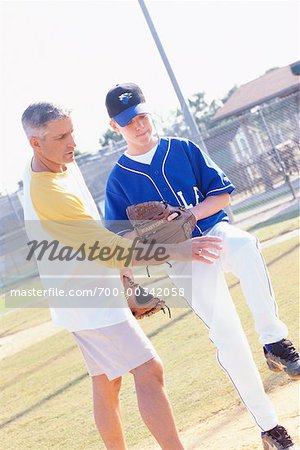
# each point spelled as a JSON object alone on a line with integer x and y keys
{"x": 107, "y": 411}
{"x": 154, "y": 404}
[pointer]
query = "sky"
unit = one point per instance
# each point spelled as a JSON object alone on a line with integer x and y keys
{"x": 72, "y": 53}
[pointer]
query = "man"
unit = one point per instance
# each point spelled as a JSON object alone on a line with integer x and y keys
{"x": 177, "y": 171}
{"x": 58, "y": 204}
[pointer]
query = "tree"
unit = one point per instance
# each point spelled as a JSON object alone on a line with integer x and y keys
{"x": 110, "y": 137}
{"x": 202, "y": 111}
{"x": 271, "y": 70}
{"x": 175, "y": 124}
{"x": 229, "y": 94}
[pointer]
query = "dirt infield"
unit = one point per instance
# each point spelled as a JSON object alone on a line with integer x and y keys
{"x": 14, "y": 343}
{"x": 235, "y": 429}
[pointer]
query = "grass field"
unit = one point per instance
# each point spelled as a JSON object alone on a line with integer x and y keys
{"x": 47, "y": 395}
{"x": 275, "y": 226}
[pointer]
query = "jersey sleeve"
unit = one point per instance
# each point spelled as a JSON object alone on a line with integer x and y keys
{"x": 116, "y": 218}
{"x": 64, "y": 217}
{"x": 210, "y": 178}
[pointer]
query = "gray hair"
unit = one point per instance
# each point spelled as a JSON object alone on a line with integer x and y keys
{"x": 37, "y": 116}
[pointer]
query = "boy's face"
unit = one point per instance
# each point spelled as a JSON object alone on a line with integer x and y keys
{"x": 138, "y": 133}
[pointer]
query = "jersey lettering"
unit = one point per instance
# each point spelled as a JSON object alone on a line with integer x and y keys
{"x": 197, "y": 198}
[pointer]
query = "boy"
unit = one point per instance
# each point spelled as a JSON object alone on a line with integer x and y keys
{"x": 177, "y": 171}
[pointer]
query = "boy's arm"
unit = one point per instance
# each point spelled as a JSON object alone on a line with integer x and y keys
{"x": 214, "y": 185}
{"x": 211, "y": 180}
{"x": 210, "y": 205}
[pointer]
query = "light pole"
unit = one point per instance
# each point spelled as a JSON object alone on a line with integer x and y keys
{"x": 189, "y": 119}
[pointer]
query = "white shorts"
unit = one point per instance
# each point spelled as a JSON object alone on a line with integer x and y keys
{"x": 114, "y": 350}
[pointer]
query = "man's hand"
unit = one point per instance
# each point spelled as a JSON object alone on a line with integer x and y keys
{"x": 142, "y": 303}
{"x": 205, "y": 249}
{"x": 126, "y": 272}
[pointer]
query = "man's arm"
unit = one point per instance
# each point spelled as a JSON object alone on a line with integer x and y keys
{"x": 64, "y": 217}
{"x": 204, "y": 249}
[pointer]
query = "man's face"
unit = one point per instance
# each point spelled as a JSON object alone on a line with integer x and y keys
{"x": 57, "y": 145}
{"x": 138, "y": 133}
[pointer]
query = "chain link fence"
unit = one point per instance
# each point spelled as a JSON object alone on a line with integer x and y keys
{"x": 260, "y": 153}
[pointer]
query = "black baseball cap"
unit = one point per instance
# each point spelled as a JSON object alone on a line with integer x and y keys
{"x": 125, "y": 101}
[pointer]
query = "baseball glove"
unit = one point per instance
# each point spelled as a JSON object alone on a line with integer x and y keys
{"x": 149, "y": 219}
{"x": 141, "y": 302}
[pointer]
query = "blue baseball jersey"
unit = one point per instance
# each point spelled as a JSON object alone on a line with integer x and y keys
{"x": 179, "y": 173}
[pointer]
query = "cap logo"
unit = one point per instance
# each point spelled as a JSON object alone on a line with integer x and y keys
{"x": 124, "y": 98}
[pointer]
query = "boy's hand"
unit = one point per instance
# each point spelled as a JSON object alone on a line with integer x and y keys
{"x": 158, "y": 221}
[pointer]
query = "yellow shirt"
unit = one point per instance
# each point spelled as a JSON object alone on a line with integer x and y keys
{"x": 70, "y": 215}
{"x": 58, "y": 208}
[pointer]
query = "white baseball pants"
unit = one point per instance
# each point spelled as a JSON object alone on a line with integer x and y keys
{"x": 208, "y": 295}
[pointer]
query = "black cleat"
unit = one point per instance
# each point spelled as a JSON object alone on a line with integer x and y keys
{"x": 282, "y": 356}
{"x": 277, "y": 439}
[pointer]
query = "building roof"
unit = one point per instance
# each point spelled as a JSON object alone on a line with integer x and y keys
{"x": 276, "y": 83}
